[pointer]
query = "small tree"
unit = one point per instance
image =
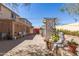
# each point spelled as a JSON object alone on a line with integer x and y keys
{"x": 72, "y": 9}
{"x": 15, "y": 6}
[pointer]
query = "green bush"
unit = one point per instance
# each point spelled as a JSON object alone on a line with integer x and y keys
{"x": 55, "y": 37}
{"x": 72, "y": 42}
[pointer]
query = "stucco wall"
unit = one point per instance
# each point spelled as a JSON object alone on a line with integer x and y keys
{"x": 5, "y": 13}
{"x": 5, "y": 26}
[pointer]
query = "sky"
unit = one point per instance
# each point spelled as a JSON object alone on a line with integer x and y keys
{"x": 36, "y": 12}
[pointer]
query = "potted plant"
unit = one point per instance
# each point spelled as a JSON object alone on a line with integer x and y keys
{"x": 72, "y": 46}
{"x": 55, "y": 38}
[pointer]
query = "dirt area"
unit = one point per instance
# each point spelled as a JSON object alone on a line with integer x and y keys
{"x": 70, "y": 37}
{"x": 7, "y": 45}
{"x": 31, "y": 45}
{"x": 36, "y": 46}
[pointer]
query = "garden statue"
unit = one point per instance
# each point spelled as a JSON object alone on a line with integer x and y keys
{"x": 58, "y": 42}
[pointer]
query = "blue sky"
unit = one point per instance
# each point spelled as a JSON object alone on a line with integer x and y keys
{"x": 37, "y": 11}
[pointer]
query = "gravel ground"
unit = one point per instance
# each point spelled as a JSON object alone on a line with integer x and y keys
{"x": 35, "y": 47}
{"x": 70, "y": 37}
{"x": 76, "y": 39}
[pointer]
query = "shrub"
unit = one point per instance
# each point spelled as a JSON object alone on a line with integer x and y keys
{"x": 74, "y": 33}
{"x": 55, "y": 37}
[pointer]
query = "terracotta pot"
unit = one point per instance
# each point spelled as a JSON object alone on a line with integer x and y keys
{"x": 46, "y": 40}
{"x": 49, "y": 45}
{"x": 72, "y": 48}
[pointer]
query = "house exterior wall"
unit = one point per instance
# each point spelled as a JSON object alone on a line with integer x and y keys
{"x": 21, "y": 27}
{"x": 5, "y": 13}
{"x": 31, "y": 30}
{"x": 14, "y": 26}
{"x": 6, "y": 26}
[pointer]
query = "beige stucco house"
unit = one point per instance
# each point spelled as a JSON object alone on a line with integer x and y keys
{"x": 11, "y": 23}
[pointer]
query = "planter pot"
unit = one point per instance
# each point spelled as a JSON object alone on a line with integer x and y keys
{"x": 72, "y": 48}
{"x": 49, "y": 45}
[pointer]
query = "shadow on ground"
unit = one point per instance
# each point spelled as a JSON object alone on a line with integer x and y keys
{"x": 7, "y": 45}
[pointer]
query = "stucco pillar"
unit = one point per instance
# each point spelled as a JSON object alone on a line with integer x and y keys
{"x": 13, "y": 29}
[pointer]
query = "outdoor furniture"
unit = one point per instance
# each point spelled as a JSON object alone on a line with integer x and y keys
{"x": 3, "y": 36}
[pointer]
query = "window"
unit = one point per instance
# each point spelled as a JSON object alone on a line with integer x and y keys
{"x": 0, "y": 7}
{"x": 13, "y": 15}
